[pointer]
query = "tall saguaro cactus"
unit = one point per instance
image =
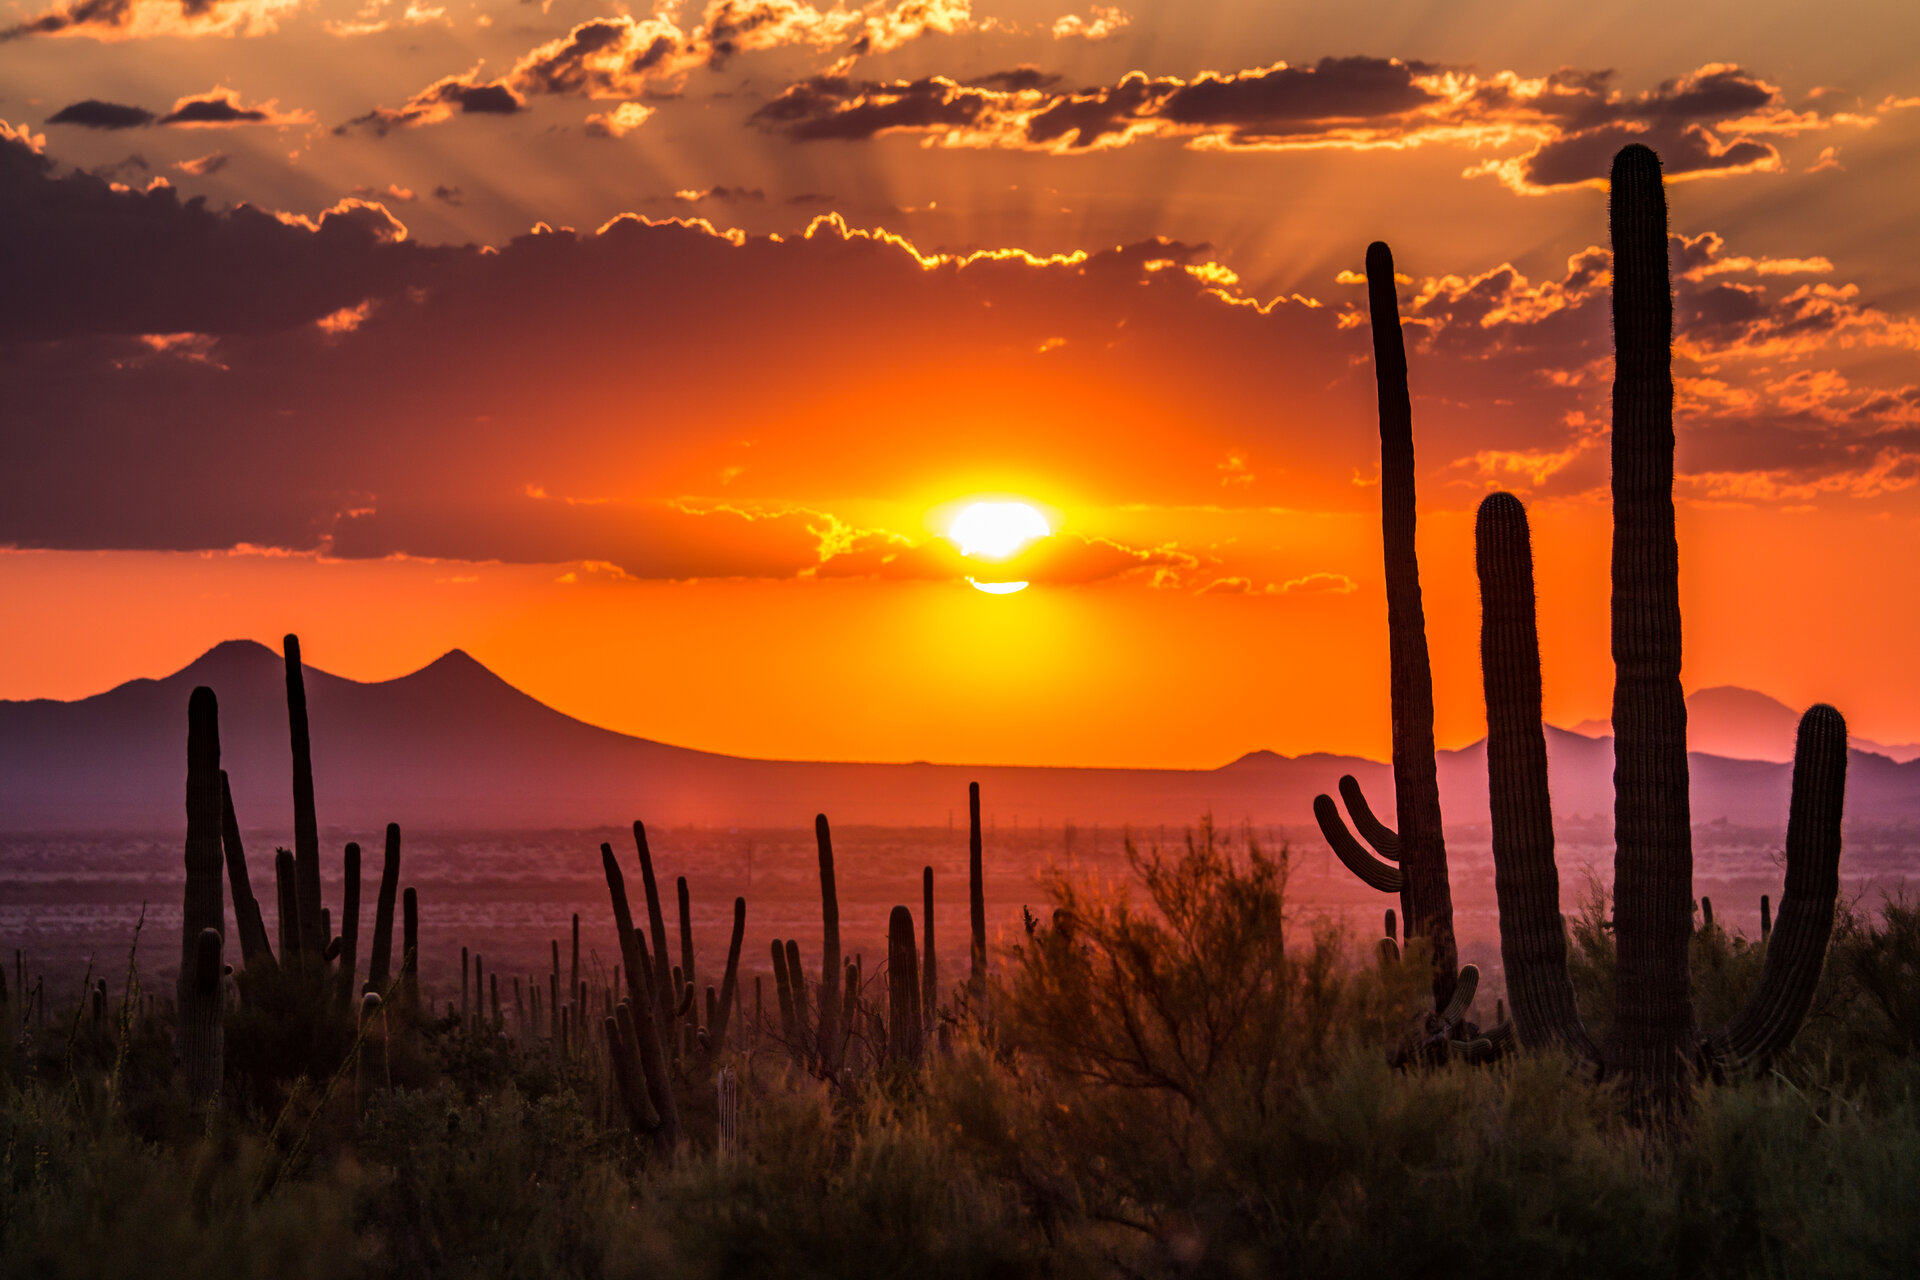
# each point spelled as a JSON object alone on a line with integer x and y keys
{"x": 1653, "y": 835}
{"x": 1419, "y": 846}
{"x": 903, "y": 990}
{"x": 1655, "y": 1046}
{"x": 306, "y": 823}
{"x": 349, "y": 925}
{"x": 200, "y": 1030}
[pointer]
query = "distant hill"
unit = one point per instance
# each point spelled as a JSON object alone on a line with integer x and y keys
{"x": 1742, "y": 724}
{"x": 454, "y": 746}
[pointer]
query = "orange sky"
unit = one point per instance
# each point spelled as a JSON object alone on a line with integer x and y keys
{"x": 282, "y": 353}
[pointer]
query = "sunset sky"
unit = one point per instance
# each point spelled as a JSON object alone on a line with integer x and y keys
{"x": 645, "y": 354}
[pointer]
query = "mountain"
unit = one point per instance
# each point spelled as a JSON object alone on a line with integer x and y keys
{"x": 454, "y": 746}
{"x": 1742, "y": 724}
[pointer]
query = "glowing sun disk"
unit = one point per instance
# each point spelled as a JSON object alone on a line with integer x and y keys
{"x": 996, "y": 530}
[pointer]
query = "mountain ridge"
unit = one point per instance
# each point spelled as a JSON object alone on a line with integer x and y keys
{"x": 452, "y": 744}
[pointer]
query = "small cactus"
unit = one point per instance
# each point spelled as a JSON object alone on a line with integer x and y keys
{"x": 903, "y": 990}
{"x": 349, "y": 924}
{"x": 930, "y": 968}
{"x": 831, "y": 1040}
{"x": 976, "y": 900}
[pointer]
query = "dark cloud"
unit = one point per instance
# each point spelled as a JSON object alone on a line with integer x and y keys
{"x": 131, "y": 19}
{"x": 449, "y": 195}
{"x": 95, "y": 114}
{"x": 442, "y": 100}
{"x": 1016, "y": 80}
{"x": 215, "y": 108}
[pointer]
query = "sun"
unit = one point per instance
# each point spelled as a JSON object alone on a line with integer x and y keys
{"x": 997, "y": 531}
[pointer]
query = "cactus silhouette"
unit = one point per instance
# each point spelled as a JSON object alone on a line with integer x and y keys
{"x": 661, "y": 977}
{"x": 288, "y": 899}
{"x": 903, "y": 990}
{"x": 246, "y": 908}
{"x": 640, "y": 1038}
{"x": 306, "y": 824}
{"x": 200, "y": 1001}
{"x": 1655, "y": 1045}
{"x": 730, "y": 981}
{"x": 349, "y": 924}
{"x": 783, "y": 985}
{"x": 410, "y": 946}
{"x": 930, "y": 968}
{"x": 380, "y": 960}
{"x": 1419, "y": 846}
{"x": 976, "y": 898}
{"x": 830, "y": 1033}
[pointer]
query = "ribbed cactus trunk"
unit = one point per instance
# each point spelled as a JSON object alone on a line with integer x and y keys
{"x": 1425, "y": 899}
{"x": 830, "y": 975}
{"x": 1653, "y": 1039}
{"x": 976, "y": 900}
{"x": 349, "y": 926}
{"x": 380, "y": 961}
{"x": 306, "y": 823}
{"x": 1798, "y": 946}
{"x": 1533, "y": 937}
{"x": 247, "y": 921}
{"x": 199, "y": 1032}
{"x": 903, "y": 990}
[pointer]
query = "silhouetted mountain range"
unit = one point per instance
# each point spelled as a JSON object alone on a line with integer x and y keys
{"x": 454, "y": 746}
{"x": 1742, "y": 724}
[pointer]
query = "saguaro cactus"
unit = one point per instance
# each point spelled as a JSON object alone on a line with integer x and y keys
{"x": 1653, "y": 854}
{"x": 1533, "y": 936}
{"x": 246, "y": 908}
{"x": 830, "y": 978}
{"x": 903, "y": 990}
{"x": 976, "y": 897}
{"x": 306, "y": 824}
{"x": 640, "y": 1036}
{"x": 410, "y": 947}
{"x": 657, "y": 932}
{"x": 380, "y": 962}
{"x": 1419, "y": 845}
{"x": 199, "y": 1031}
{"x": 930, "y": 968}
{"x": 350, "y": 925}
{"x": 730, "y": 981}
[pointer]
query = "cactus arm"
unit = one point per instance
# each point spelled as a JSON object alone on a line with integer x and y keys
{"x": 1385, "y": 841}
{"x": 830, "y": 976}
{"x": 1383, "y": 876}
{"x": 1426, "y": 901}
{"x": 1654, "y": 1038}
{"x": 1533, "y": 936}
{"x": 246, "y": 908}
{"x": 1798, "y": 947}
{"x": 1464, "y": 989}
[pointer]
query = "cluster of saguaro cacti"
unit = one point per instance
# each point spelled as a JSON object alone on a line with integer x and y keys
{"x": 1411, "y": 861}
{"x": 308, "y": 945}
{"x": 656, "y": 1033}
{"x": 1655, "y": 1043}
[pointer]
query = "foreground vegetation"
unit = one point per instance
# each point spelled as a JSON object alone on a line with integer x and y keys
{"x": 1175, "y": 1077}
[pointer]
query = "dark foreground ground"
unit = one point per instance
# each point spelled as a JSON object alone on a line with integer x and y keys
{"x": 1191, "y": 1080}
